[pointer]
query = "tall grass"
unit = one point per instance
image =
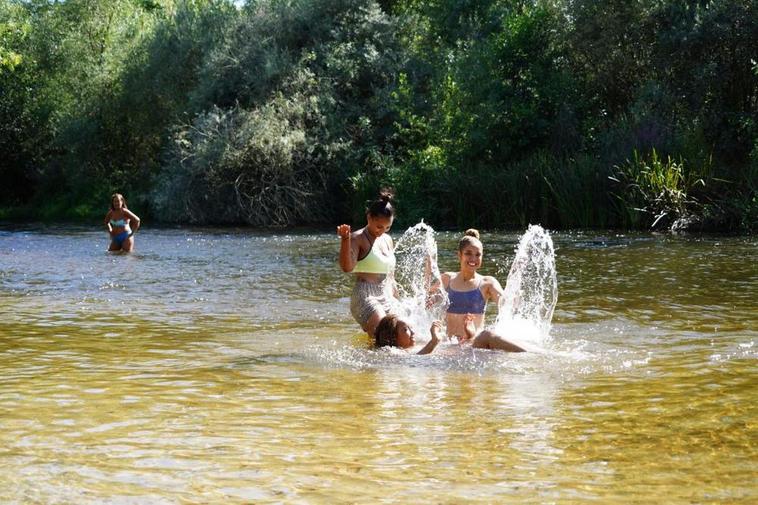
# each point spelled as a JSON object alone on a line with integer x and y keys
{"x": 555, "y": 191}
{"x": 577, "y": 191}
{"x": 658, "y": 190}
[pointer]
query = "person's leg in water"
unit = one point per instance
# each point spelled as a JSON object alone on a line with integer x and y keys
{"x": 128, "y": 244}
{"x": 488, "y": 339}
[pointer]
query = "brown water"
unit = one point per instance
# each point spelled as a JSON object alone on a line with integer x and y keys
{"x": 218, "y": 366}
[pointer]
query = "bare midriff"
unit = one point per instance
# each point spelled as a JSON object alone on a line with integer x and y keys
{"x": 455, "y": 324}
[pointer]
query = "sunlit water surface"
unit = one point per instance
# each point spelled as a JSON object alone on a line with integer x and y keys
{"x": 222, "y": 366}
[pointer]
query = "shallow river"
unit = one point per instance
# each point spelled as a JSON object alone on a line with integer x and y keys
{"x": 222, "y": 366}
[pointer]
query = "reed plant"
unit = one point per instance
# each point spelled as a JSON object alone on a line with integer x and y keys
{"x": 547, "y": 189}
{"x": 576, "y": 190}
{"x": 659, "y": 190}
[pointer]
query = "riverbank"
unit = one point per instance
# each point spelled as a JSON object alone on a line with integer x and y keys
{"x": 735, "y": 217}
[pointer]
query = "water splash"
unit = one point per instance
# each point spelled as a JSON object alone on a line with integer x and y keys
{"x": 531, "y": 291}
{"x": 415, "y": 272}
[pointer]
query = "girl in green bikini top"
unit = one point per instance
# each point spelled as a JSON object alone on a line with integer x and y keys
{"x": 369, "y": 254}
{"x": 376, "y": 261}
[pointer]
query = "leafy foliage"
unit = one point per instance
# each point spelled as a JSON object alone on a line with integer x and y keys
{"x": 661, "y": 189}
{"x": 299, "y": 107}
{"x": 488, "y": 113}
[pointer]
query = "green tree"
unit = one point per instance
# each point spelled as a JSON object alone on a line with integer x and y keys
{"x": 24, "y": 111}
{"x": 296, "y": 96}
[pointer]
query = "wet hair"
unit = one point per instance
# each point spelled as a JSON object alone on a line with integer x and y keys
{"x": 470, "y": 237}
{"x": 118, "y": 195}
{"x": 382, "y": 207}
{"x": 385, "y": 333}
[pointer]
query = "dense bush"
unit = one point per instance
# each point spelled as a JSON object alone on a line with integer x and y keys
{"x": 17, "y": 126}
{"x": 261, "y": 166}
{"x": 536, "y": 105}
{"x": 299, "y": 105}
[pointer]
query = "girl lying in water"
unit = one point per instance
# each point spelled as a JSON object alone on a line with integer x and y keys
{"x": 395, "y": 332}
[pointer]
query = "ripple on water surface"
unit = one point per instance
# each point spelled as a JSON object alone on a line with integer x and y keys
{"x": 223, "y": 365}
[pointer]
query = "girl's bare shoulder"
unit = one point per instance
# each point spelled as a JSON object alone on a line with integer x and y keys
{"x": 490, "y": 282}
{"x": 449, "y": 280}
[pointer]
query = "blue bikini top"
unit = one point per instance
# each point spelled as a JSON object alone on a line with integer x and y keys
{"x": 466, "y": 302}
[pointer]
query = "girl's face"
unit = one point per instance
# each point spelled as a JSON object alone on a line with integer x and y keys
{"x": 471, "y": 257}
{"x": 117, "y": 202}
{"x": 379, "y": 225}
{"x": 405, "y": 335}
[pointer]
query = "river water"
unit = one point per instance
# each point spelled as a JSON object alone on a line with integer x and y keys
{"x": 222, "y": 366}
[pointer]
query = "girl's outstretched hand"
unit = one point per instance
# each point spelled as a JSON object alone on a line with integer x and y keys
{"x": 343, "y": 231}
{"x": 436, "y": 330}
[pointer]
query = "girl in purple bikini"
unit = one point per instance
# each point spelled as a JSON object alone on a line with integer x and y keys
{"x": 468, "y": 293}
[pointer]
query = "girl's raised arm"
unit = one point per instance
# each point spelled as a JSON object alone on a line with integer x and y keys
{"x": 436, "y": 331}
{"x": 348, "y": 248}
{"x": 494, "y": 289}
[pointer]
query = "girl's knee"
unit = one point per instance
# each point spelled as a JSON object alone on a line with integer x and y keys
{"x": 488, "y": 339}
{"x": 482, "y": 340}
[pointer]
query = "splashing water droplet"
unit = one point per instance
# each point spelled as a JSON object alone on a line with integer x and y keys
{"x": 531, "y": 292}
{"x": 526, "y": 308}
{"x": 416, "y": 270}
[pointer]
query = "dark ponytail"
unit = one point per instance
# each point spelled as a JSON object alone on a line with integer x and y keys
{"x": 382, "y": 207}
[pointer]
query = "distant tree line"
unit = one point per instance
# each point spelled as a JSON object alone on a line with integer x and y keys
{"x": 488, "y": 113}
